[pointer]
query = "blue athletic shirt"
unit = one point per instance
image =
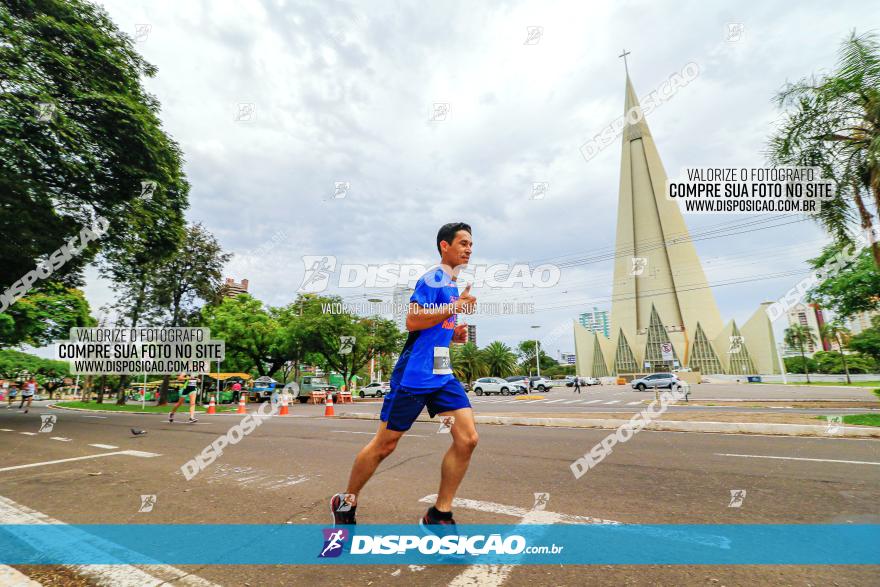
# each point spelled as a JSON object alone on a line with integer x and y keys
{"x": 424, "y": 363}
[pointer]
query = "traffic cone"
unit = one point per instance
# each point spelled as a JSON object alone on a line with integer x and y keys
{"x": 284, "y": 411}
{"x": 241, "y": 404}
{"x": 328, "y": 409}
{"x": 212, "y": 409}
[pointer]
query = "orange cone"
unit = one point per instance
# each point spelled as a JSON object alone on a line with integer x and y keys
{"x": 328, "y": 410}
{"x": 241, "y": 404}
{"x": 284, "y": 411}
{"x": 212, "y": 409}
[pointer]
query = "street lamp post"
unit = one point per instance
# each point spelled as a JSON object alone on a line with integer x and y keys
{"x": 373, "y": 358}
{"x": 537, "y": 352}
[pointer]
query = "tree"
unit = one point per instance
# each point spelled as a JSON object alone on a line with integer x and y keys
{"x": 250, "y": 333}
{"x": 837, "y": 332}
{"x": 468, "y": 363}
{"x": 525, "y": 352}
{"x": 500, "y": 360}
{"x": 48, "y": 373}
{"x": 867, "y": 341}
{"x": 799, "y": 337}
{"x": 189, "y": 277}
{"x": 832, "y": 362}
{"x": 46, "y": 314}
{"x": 323, "y": 332}
{"x": 800, "y": 365}
{"x": 849, "y": 290}
{"x": 75, "y": 146}
{"x": 834, "y": 124}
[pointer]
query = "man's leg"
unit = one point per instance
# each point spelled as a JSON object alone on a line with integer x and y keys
{"x": 368, "y": 459}
{"x": 458, "y": 457}
{"x": 192, "y": 406}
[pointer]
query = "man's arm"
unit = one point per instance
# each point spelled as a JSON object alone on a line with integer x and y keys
{"x": 420, "y": 318}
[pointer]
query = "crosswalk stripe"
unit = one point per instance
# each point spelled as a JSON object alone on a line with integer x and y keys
{"x": 595, "y": 401}
{"x": 574, "y": 401}
{"x": 633, "y": 403}
{"x": 28, "y": 433}
{"x": 616, "y": 401}
{"x": 555, "y": 401}
{"x": 61, "y": 438}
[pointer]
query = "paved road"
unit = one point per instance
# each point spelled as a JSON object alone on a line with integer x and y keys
{"x": 286, "y": 469}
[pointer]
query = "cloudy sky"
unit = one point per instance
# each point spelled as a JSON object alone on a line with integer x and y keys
{"x": 275, "y": 102}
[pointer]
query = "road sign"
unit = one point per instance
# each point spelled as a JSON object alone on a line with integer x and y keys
{"x": 666, "y": 350}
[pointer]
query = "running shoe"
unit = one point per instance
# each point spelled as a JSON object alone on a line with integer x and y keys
{"x": 171, "y": 417}
{"x": 192, "y": 420}
{"x": 438, "y": 523}
{"x": 342, "y": 509}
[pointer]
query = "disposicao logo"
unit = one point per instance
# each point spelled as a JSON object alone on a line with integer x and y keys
{"x": 334, "y": 540}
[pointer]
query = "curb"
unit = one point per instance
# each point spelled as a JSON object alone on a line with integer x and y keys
{"x": 666, "y": 426}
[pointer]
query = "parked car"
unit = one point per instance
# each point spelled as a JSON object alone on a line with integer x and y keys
{"x": 540, "y": 383}
{"x": 490, "y": 385}
{"x": 656, "y": 380}
{"x": 375, "y": 389}
{"x": 519, "y": 380}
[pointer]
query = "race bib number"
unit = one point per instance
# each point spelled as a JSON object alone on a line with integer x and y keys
{"x": 442, "y": 364}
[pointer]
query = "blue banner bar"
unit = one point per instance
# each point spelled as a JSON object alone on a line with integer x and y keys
{"x": 575, "y": 544}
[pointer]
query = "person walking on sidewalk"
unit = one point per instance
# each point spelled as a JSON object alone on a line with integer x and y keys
{"x": 577, "y": 384}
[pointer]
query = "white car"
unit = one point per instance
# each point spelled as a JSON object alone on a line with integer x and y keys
{"x": 375, "y": 389}
{"x": 490, "y": 385}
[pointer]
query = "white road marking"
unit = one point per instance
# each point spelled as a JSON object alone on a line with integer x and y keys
{"x": 103, "y": 446}
{"x": 616, "y": 401}
{"x": 555, "y": 401}
{"x": 573, "y": 401}
{"x": 28, "y": 433}
{"x": 13, "y": 578}
{"x": 121, "y": 575}
{"x": 133, "y": 453}
{"x": 60, "y": 438}
{"x": 6, "y": 430}
{"x": 797, "y": 459}
{"x": 595, "y": 401}
{"x": 102, "y": 417}
{"x": 633, "y": 403}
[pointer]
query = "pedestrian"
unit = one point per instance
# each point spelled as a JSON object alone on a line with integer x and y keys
{"x": 577, "y": 384}
{"x": 13, "y": 393}
{"x": 27, "y": 394}
{"x": 236, "y": 391}
{"x": 191, "y": 387}
{"x": 423, "y": 377}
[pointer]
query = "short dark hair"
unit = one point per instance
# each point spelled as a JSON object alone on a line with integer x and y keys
{"x": 447, "y": 232}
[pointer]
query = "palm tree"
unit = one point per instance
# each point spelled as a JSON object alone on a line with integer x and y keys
{"x": 499, "y": 359}
{"x": 798, "y": 336}
{"x": 838, "y": 333}
{"x": 834, "y": 124}
{"x": 467, "y": 362}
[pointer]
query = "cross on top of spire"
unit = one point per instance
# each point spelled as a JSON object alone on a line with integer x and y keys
{"x": 624, "y": 54}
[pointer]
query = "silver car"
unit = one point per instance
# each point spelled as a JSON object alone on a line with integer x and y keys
{"x": 656, "y": 380}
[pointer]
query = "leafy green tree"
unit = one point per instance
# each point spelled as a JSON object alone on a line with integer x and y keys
{"x": 323, "y": 332}
{"x": 186, "y": 280}
{"x": 836, "y": 332}
{"x": 849, "y": 290}
{"x": 249, "y": 331}
{"x": 48, "y": 373}
{"x": 78, "y": 136}
{"x": 46, "y": 314}
{"x": 867, "y": 341}
{"x": 799, "y": 337}
{"x": 468, "y": 362}
{"x": 500, "y": 360}
{"x": 833, "y": 123}
{"x": 800, "y": 365}
{"x": 525, "y": 352}
{"x": 833, "y": 362}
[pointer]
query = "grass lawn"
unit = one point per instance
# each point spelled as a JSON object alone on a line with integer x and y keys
{"x": 136, "y": 407}
{"x": 860, "y": 419}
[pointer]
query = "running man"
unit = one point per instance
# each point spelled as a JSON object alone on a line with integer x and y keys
{"x": 189, "y": 389}
{"x": 27, "y": 394}
{"x": 423, "y": 377}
